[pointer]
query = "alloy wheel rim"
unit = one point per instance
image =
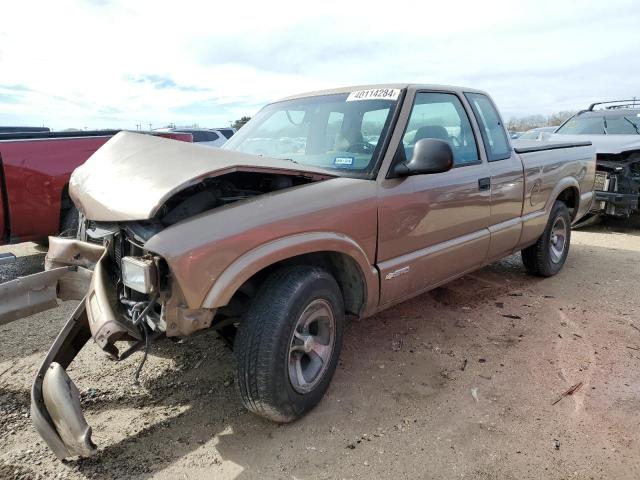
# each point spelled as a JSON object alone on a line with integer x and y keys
{"x": 311, "y": 346}
{"x": 558, "y": 239}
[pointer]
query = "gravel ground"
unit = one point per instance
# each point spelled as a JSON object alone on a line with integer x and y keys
{"x": 457, "y": 383}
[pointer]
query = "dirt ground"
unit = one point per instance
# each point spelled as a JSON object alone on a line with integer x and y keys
{"x": 457, "y": 383}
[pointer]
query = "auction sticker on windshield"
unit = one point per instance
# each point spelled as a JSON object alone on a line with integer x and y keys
{"x": 343, "y": 161}
{"x": 374, "y": 94}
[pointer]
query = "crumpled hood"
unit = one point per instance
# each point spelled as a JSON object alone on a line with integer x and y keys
{"x": 603, "y": 143}
{"x": 132, "y": 175}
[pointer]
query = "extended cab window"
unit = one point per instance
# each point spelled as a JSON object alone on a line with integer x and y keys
{"x": 493, "y": 134}
{"x": 441, "y": 116}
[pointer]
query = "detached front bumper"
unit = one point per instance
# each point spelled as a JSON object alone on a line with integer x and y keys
{"x": 83, "y": 271}
{"x": 55, "y": 400}
{"x": 68, "y": 270}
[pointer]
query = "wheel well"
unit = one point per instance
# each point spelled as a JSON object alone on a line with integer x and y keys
{"x": 569, "y": 196}
{"x": 343, "y": 268}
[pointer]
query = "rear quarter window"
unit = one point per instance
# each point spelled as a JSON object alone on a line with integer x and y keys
{"x": 493, "y": 133}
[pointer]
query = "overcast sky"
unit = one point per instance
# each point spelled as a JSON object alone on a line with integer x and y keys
{"x": 103, "y": 63}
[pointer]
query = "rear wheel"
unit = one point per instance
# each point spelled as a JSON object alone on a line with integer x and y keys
{"x": 546, "y": 257}
{"x": 288, "y": 343}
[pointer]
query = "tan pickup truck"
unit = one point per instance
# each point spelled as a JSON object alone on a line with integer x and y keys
{"x": 325, "y": 206}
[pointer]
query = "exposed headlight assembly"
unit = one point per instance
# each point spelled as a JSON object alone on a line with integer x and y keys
{"x": 139, "y": 274}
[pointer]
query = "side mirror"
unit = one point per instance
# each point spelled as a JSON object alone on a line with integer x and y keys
{"x": 430, "y": 155}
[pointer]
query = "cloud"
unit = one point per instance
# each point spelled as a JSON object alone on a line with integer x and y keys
{"x": 161, "y": 82}
{"x": 117, "y": 63}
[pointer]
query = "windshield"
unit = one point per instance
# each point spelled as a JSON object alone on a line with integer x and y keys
{"x": 341, "y": 132}
{"x": 602, "y": 125}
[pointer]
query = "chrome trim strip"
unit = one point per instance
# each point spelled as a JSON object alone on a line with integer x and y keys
{"x": 438, "y": 247}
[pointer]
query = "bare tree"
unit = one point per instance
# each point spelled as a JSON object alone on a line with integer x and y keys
{"x": 560, "y": 117}
{"x": 522, "y": 124}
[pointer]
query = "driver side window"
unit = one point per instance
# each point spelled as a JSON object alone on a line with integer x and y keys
{"x": 441, "y": 116}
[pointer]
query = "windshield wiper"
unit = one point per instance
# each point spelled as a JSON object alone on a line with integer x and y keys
{"x": 635, "y": 126}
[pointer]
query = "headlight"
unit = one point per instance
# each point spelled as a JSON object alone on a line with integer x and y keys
{"x": 139, "y": 274}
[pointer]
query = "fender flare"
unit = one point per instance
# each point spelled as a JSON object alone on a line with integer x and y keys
{"x": 250, "y": 263}
{"x": 566, "y": 182}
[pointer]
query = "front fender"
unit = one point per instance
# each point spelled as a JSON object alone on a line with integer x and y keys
{"x": 243, "y": 268}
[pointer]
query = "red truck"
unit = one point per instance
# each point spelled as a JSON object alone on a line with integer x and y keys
{"x": 34, "y": 176}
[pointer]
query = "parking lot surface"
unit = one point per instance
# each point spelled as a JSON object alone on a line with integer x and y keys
{"x": 457, "y": 383}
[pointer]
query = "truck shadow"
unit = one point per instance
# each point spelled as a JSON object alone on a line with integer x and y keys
{"x": 629, "y": 226}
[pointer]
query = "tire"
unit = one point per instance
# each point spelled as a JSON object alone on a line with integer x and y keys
{"x": 546, "y": 257}
{"x": 268, "y": 353}
{"x": 69, "y": 223}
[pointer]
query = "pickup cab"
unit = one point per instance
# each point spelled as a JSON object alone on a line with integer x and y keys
{"x": 325, "y": 206}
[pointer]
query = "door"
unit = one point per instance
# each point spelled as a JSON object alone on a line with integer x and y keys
{"x": 434, "y": 227}
{"x": 507, "y": 178}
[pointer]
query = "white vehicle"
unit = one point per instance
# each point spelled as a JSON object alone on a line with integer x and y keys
{"x": 614, "y": 130}
{"x": 537, "y": 133}
{"x": 204, "y": 136}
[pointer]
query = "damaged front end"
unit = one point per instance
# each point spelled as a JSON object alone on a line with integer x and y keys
{"x": 128, "y": 292}
{"x": 68, "y": 268}
{"x": 125, "y": 295}
{"x": 617, "y": 184}
{"x": 55, "y": 400}
{"x": 132, "y": 296}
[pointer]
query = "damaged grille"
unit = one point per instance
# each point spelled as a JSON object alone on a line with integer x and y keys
{"x": 118, "y": 249}
{"x": 123, "y": 246}
{"x": 601, "y": 181}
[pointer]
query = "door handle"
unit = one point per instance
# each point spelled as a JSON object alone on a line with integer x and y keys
{"x": 484, "y": 183}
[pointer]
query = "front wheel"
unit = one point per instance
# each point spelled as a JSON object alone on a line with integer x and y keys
{"x": 288, "y": 343}
{"x": 546, "y": 257}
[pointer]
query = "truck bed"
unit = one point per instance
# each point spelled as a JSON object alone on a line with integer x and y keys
{"x": 34, "y": 174}
{"x": 530, "y": 146}
{"x": 549, "y": 166}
